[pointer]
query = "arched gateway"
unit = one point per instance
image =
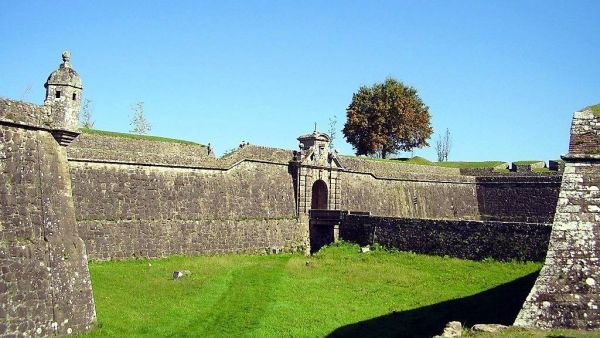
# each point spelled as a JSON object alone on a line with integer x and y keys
{"x": 316, "y": 171}
{"x": 319, "y": 196}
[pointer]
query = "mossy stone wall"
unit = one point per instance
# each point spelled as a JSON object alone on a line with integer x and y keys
{"x": 44, "y": 281}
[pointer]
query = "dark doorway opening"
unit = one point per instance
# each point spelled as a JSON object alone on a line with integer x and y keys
{"x": 320, "y": 233}
{"x": 319, "y": 195}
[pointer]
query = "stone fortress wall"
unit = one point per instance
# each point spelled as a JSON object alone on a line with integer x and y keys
{"x": 134, "y": 201}
{"x": 465, "y": 239}
{"x": 139, "y": 202}
{"x": 44, "y": 277}
{"x": 66, "y": 198}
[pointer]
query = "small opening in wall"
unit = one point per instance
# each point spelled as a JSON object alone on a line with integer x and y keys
{"x": 58, "y": 94}
{"x": 74, "y": 96}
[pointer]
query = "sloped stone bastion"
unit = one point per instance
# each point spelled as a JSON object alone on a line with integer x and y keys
{"x": 567, "y": 291}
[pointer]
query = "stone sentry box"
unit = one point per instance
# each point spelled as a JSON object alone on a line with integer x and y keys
{"x": 567, "y": 290}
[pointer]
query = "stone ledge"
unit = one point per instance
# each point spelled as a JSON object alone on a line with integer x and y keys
{"x": 570, "y": 157}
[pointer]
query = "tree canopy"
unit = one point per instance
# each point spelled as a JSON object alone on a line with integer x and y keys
{"x": 385, "y": 118}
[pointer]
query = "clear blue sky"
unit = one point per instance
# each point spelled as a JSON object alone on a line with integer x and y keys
{"x": 503, "y": 76}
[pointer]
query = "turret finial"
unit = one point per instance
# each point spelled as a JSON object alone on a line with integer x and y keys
{"x": 66, "y": 56}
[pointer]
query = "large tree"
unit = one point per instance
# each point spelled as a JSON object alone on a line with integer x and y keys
{"x": 385, "y": 118}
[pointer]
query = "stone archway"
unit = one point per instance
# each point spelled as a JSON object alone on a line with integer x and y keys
{"x": 319, "y": 195}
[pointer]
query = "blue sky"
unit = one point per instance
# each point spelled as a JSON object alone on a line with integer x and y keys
{"x": 503, "y": 76}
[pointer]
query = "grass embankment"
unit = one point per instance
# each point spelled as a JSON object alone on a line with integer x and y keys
{"x": 337, "y": 292}
{"x": 527, "y": 162}
{"x": 448, "y": 164}
{"x": 595, "y": 109}
{"x": 483, "y": 164}
{"x": 135, "y": 136}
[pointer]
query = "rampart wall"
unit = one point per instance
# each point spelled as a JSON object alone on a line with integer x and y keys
{"x": 44, "y": 279}
{"x": 428, "y": 197}
{"x": 456, "y": 238}
{"x": 510, "y": 198}
{"x": 417, "y": 191}
{"x": 128, "y": 210}
{"x": 149, "y": 198}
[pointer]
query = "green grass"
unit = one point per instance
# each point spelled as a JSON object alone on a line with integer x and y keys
{"x": 526, "y": 162}
{"x": 135, "y": 136}
{"x": 339, "y": 292}
{"x": 595, "y": 109}
{"x": 448, "y": 164}
{"x": 483, "y": 164}
{"x": 418, "y": 160}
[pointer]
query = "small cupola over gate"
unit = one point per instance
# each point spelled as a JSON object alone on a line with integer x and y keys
{"x": 316, "y": 167}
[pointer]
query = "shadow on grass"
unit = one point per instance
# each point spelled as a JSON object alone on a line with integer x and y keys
{"x": 499, "y": 305}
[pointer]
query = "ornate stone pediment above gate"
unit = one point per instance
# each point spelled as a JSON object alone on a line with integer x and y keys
{"x": 316, "y": 171}
{"x": 314, "y": 151}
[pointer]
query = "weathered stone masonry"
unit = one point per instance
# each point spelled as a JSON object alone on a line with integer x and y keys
{"x": 44, "y": 281}
{"x": 129, "y": 210}
{"x": 255, "y": 199}
{"x": 566, "y": 293}
{"x": 124, "y": 198}
{"x": 455, "y": 238}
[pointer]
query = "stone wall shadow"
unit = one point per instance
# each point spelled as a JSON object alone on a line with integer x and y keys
{"x": 499, "y": 305}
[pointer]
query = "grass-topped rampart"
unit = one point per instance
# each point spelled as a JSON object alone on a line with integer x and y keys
{"x": 595, "y": 109}
{"x": 423, "y": 161}
{"x": 527, "y": 162}
{"x": 136, "y": 136}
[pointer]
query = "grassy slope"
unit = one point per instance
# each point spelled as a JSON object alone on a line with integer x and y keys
{"x": 595, "y": 109}
{"x": 134, "y": 136}
{"x": 449, "y": 164}
{"x": 482, "y": 164}
{"x": 274, "y": 296}
{"x": 526, "y": 162}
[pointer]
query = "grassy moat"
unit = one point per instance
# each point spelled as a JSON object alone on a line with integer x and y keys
{"x": 338, "y": 292}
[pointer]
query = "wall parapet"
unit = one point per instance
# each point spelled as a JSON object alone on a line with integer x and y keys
{"x": 585, "y": 129}
{"x": 116, "y": 149}
{"x": 25, "y": 114}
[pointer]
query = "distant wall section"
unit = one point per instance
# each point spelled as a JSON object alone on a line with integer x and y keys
{"x": 518, "y": 198}
{"x": 455, "y": 238}
{"x": 152, "y": 198}
{"x": 417, "y": 191}
{"x": 440, "y": 197}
